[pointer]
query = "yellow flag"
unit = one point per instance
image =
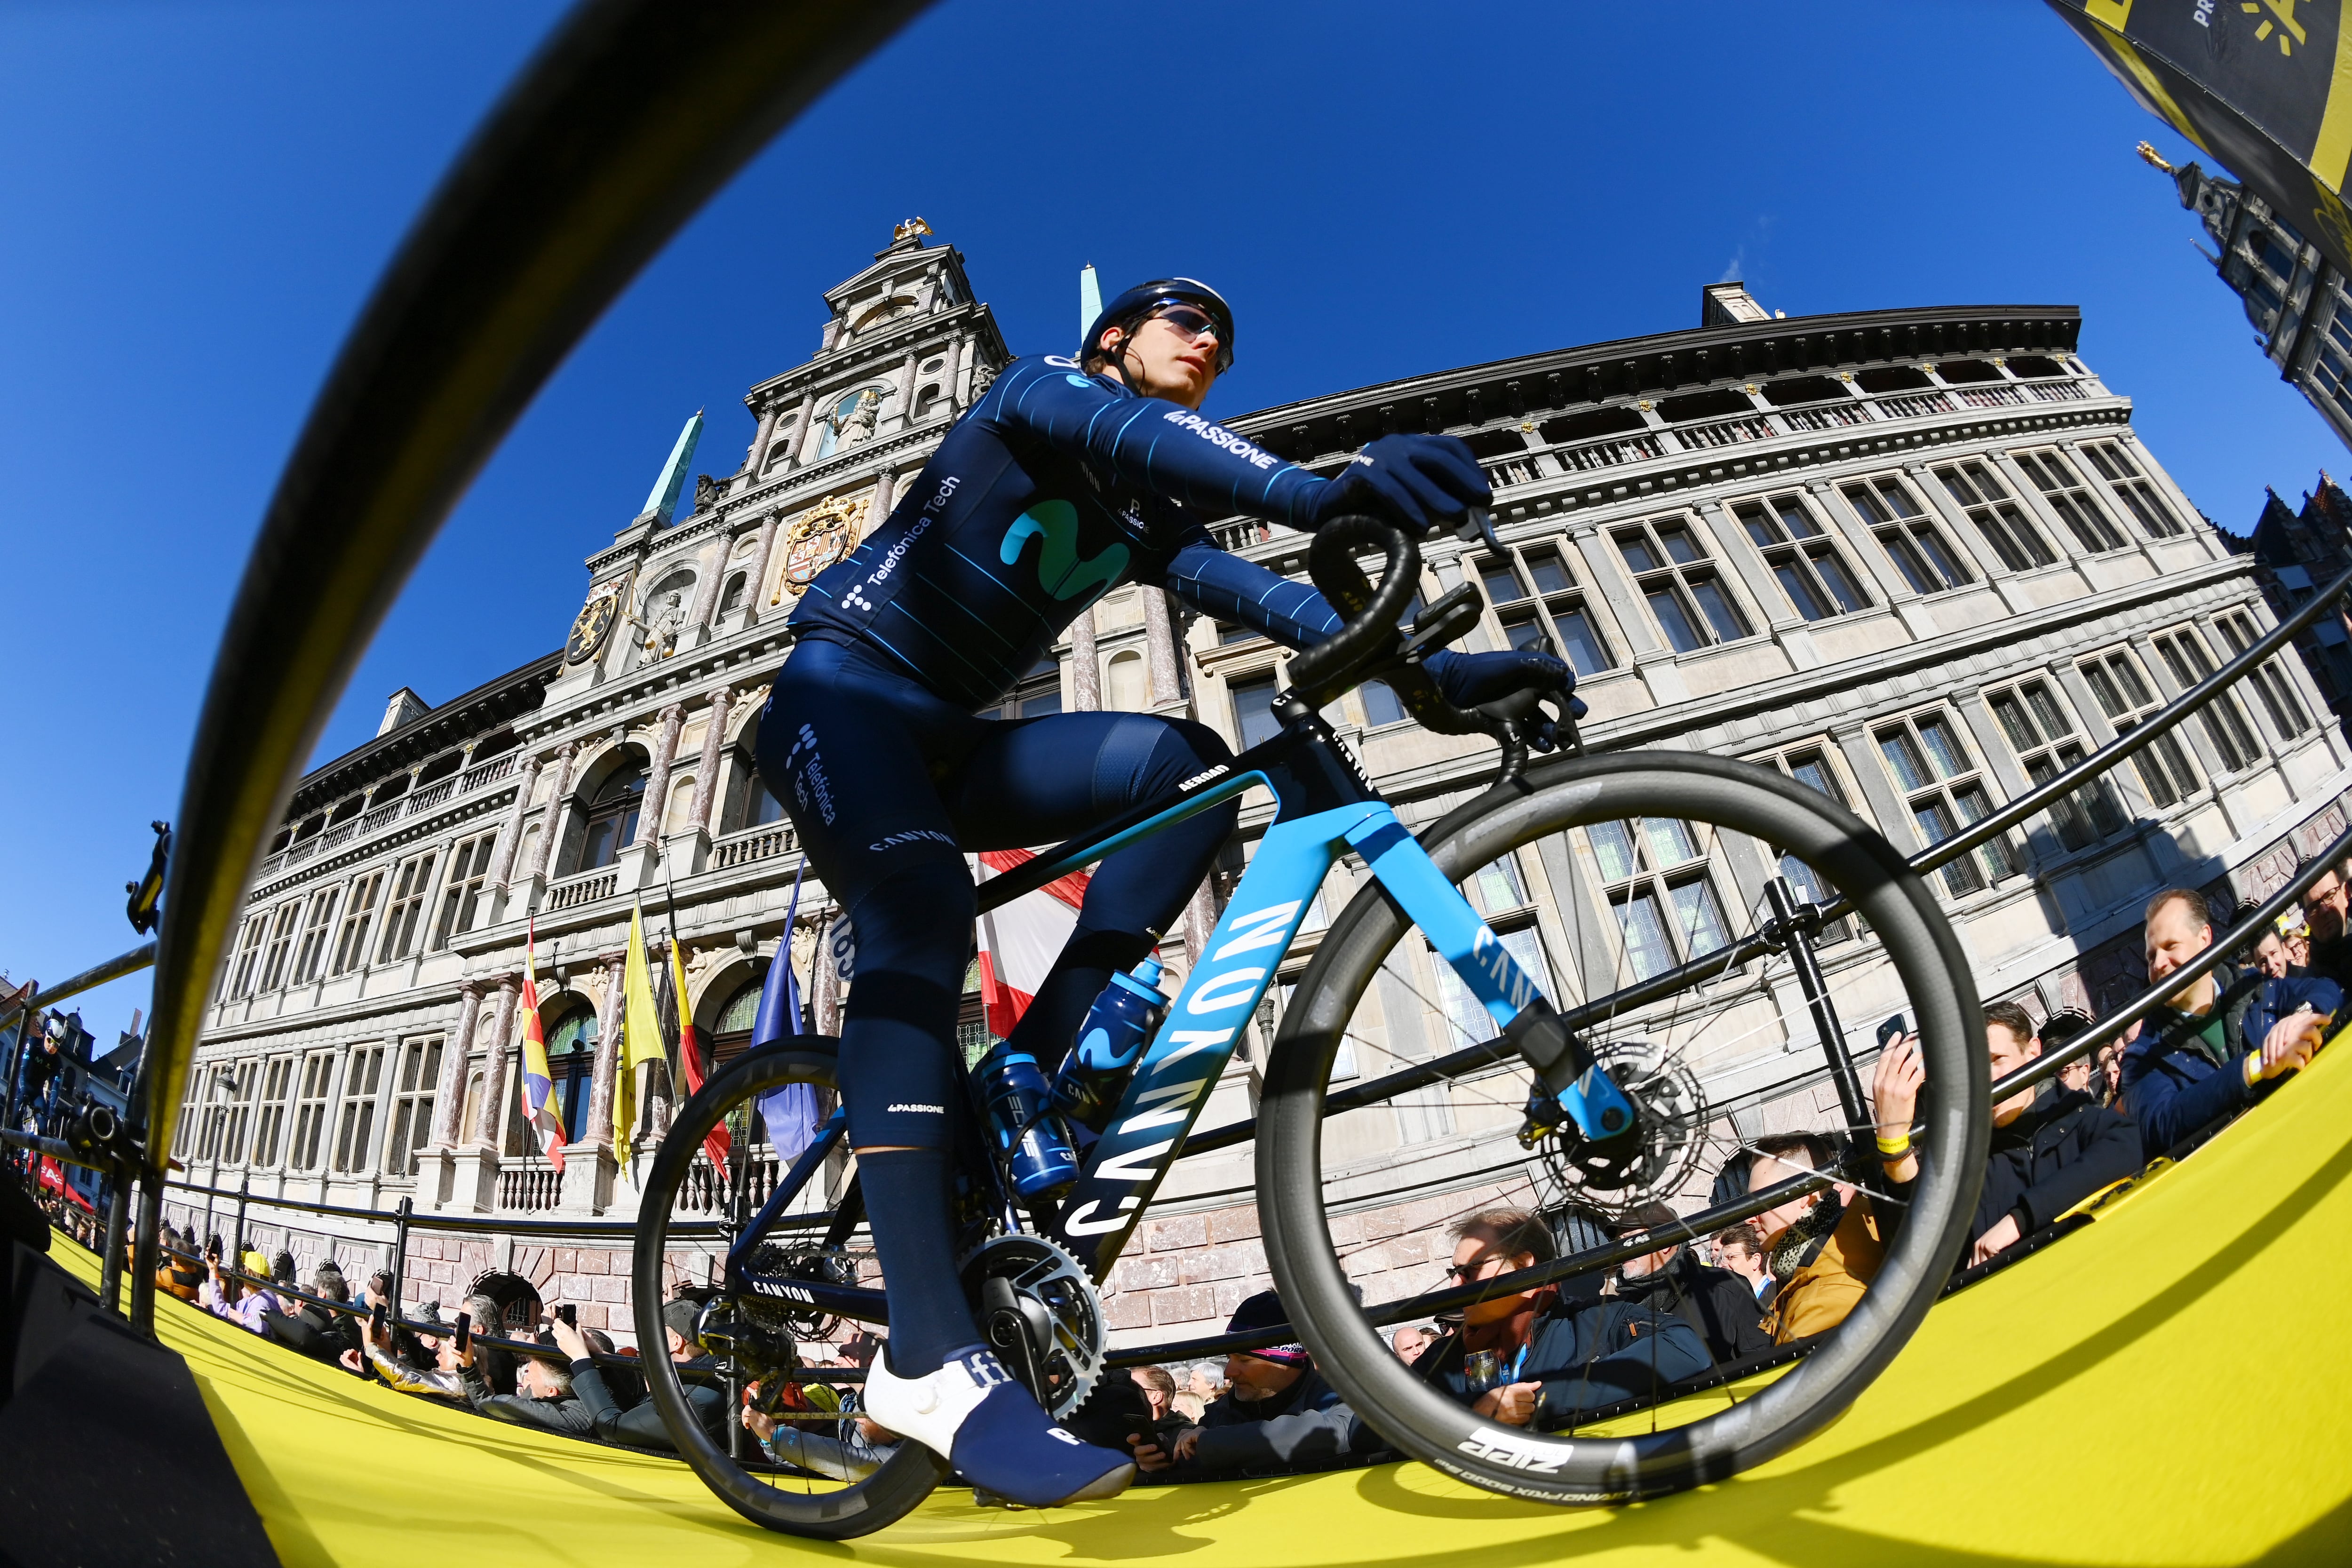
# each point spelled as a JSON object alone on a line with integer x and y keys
{"x": 641, "y": 1038}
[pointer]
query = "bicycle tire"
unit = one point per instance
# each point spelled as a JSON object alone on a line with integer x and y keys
{"x": 1421, "y": 1419}
{"x": 845, "y": 1509}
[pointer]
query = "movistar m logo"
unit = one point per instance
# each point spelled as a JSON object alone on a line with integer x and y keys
{"x": 1059, "y": 571}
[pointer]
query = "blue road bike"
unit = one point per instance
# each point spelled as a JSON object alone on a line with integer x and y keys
{"x": 1575, "y": 931}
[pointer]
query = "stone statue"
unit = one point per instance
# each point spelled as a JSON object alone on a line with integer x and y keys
{"x": 706, "y": 492}
{"x": 856, "y": 423}
{"x": 659, "y": 631}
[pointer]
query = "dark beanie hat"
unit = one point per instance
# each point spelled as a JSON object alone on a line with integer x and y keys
{"x": 1264, "y": 1310}
{"x": 678, "y": 1316}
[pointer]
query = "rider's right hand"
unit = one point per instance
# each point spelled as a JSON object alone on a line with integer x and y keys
{"x": 1419, "y": 482}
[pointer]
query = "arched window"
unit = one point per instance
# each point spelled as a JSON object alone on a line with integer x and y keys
{"x": 731, "y": 1036}
{"x": 927, "y": 402}
{"x": 613, "y": 818}
{"x": 738, "y": 588}
{"x": 571, "y": 1065}
{"x": 756, "y": 807}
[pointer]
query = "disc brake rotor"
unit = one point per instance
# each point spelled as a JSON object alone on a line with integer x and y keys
{"x": 1654, "y": 1158}
{"x": 1059, "y": 1311}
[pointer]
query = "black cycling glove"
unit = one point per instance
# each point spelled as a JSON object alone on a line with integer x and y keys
{"x": 1419, "y": 482}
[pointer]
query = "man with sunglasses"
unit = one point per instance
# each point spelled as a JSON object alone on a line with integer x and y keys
{"x": 1069, "y": 478}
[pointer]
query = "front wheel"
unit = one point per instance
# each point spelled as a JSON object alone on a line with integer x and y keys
{"x": 827, "y": 1483}
{"x": 1605, "y": 873}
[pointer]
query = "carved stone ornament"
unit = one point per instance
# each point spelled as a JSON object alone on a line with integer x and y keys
{"x": 818, "y": 538}
{"x": 593, "y": 625}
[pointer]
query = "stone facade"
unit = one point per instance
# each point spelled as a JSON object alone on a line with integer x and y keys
{"x": 1972, "y": 513}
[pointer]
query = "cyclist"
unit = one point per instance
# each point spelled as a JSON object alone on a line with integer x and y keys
{"x": 1067, "y": 478}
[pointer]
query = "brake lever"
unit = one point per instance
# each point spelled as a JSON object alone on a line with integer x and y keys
{"x": 1477, "y": 527}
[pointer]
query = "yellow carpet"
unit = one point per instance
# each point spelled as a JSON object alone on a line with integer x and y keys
{"x": 2172, "y": 1385}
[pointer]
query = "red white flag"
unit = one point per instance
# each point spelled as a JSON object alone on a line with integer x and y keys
{"x": 1019, "y": 942}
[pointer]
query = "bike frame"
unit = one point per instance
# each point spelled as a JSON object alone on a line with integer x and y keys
{"x": 1324, "y": 807}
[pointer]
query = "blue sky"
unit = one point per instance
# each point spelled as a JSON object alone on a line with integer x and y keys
{"x": 199, "y": 198}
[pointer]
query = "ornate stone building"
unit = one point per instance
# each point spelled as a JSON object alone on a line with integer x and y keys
{"x": 1918, "y": 557}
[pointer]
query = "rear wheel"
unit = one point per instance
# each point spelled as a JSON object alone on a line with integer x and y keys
{"x": 836, "y": 1489}
{"x": 1606, "y": 872}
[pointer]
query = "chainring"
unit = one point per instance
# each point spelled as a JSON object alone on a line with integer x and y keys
{"x": 1059, "y": 1308}
{"x": 1612, "y": 1176}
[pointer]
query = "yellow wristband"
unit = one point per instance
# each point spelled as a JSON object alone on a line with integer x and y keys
{"x": 1894, "y": 1148}
{"x": 2254, "y": 1060}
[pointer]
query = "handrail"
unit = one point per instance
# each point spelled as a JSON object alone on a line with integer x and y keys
{"x": 89, "y": 979}
{"x": 493, "y": 1225}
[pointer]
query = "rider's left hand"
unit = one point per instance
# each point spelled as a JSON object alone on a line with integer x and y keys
{"x": 1418, "y": 482}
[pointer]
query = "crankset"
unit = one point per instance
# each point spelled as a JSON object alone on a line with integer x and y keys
{"x": 1651, "y": 1160}
{"x": 1041, "y": 1314}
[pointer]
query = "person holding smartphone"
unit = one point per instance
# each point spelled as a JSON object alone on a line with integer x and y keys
{"x": 2051, "y": 1147}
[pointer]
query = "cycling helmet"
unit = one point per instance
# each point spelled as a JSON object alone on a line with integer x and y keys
{"x": 1132, "y": 307}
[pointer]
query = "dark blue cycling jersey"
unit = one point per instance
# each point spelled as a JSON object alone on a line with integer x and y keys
{"x": 1057, "y": 488}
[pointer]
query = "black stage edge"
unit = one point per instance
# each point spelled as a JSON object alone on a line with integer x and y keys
{"x": 107, "y": 1452}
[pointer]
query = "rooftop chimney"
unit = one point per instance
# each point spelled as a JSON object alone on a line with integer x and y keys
{"x": 1728, "y": 305}
{"x": 403, "y": 707}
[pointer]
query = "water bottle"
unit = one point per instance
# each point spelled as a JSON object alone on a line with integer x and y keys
{"x": 1119, "y": 1024}
{"x": 1013, "y": 1087}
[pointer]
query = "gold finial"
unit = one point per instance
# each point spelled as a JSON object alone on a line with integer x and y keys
{"x": 913, "y": 227}
{"x": 2152, "y": 156}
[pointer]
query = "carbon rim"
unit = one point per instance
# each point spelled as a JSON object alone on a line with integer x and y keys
{"x": 1932, "y": 969}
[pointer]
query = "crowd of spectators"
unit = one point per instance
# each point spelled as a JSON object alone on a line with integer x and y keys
{"x": 1543, "y": 1357}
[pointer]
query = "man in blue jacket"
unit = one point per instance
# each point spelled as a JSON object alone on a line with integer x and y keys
{"x": 2223, "y": 1043}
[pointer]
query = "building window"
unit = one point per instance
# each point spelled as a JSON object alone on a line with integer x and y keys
{"x": 1677, "y": 577}
{"x": 2288, "y": 717}
{"x": 2015, "y": 540}
{"x": 312, "y": 956}
{"x": 359, "y": 913}
{"x": 1557, "y": 605}
{"x": 613, "y": 818}
{"x": 243, "y": 1084}
{"x": 2190, "y": 661}
{"x": 2044, "y": 739}
{"x": 271, "y": 1128}
{"x": 1945, "y": 793}
{"x": 1253, "y": 719}
{"x": 1654, "y": 874}
{"x": 311, "y": 1112}
{"x": 1910, "y": 538}
{"x": 1381, "y": 704}
{"x": 282, "y": 943}
{"x": 356, "y": 1133}
{"x": 1810, "y": 765}
{"x": 572, "y": 1066}
{"x": 1801, "y": 556}
{"x": 410, "y": 884}
{"x": 1039, "y": 692}
{"x": 2125, "y": 696}
{"x": 2123, "y": 476}
{"x": 412, "y": 1107}
{"x": 2061, "y": 486}
{"x": 248, "y": 956}
{"x": 469, "y": 866}
{"x": 732, "y": 599}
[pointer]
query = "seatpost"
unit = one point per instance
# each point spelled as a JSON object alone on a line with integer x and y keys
{"x": 118, "y": 1221}
{"x": 1817, "y": 1003}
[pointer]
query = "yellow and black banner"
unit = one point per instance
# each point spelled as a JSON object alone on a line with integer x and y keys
{"x": 2265, "y": 86}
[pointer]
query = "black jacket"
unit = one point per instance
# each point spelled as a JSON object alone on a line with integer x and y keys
{"x": 1586, "y": 1355}
{"x": 568, "y": 1415}
{"x": 641, "y": 1424}
{"x": 2048, "y": 1158}
{"x": 1717, "y": 1303}
{"x": 1303, "y": 1427}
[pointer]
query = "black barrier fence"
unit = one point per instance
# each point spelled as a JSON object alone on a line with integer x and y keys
{"x": 1456, "y": 1064}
